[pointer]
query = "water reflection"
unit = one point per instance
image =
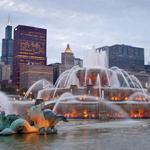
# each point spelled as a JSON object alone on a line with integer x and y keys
{"x": 84, "y": 137}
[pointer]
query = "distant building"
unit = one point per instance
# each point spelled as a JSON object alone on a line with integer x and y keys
{"x": 29, "y": 74}
{"x": 147, "y": 68}
{"x": 7, "y": 46}
{"x": 29, "y": 48}
{"x": 5, "y": 72}
{"x": 67, "y": 57}
{"x": 58, "y": 68}
{"x": 67, "y": 62}
{"x": 130, "y": 59}
{"x": 126, "y": 57}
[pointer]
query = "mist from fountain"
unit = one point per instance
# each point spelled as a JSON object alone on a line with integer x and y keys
{"x": 96, "y": 58}
{"x": 40, "y": 84}
{"x": 5, "y": 104}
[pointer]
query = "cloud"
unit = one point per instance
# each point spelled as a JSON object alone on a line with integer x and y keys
{"x": 82, "y": 23}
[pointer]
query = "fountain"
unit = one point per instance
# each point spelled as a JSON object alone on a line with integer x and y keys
{"x": 5, "y": 104}
{"x": 40, "y": 84}
{"x": 97, "y": 92}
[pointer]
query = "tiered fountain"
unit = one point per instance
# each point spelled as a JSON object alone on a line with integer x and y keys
{"x": 97, "y": 92}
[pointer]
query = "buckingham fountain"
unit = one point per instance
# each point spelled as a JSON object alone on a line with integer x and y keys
{"x": 93, "y": 92}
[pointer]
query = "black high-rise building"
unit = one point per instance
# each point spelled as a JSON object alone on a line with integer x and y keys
{"x": 7, "y": 46}
{"x": 126, "y": 57}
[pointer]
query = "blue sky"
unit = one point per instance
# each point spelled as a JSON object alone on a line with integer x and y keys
{"x": 82, "y": 23}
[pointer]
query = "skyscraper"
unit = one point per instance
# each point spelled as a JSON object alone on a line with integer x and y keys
{"x": 67, "y": 62}
{"x": 29, "y": 48}
{"x": 67, "y": 57}
{"x": 5, "y": 72}
{"x": 7, "y": 46}
{"x": 126, "y": 57}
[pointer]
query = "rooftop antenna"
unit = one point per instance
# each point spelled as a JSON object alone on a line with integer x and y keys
{"x": 8, "y": 20}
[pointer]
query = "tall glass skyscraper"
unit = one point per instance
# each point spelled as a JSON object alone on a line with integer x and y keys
{"x": 29, "y": 48}
{"x": 7, "y": 46}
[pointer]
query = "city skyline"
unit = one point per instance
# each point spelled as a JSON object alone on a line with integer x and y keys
{"x": 82, "y": 24}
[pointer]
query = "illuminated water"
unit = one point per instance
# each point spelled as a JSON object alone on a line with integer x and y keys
{"x": 124, "y": 135}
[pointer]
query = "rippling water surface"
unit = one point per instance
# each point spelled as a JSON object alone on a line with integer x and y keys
{"x": 85, "y": 135}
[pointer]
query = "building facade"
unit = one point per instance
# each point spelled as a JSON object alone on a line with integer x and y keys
{"x": 29, "y": 74}
{"x": 5, "y": 72}
{"x": 67, "y": 58}
{"x": 67, "y": 62}
{"x": 147, "y": 68}
{"x": 125, "y": 57}
{"x": 58, "y": 68}
{"x": 29, "y": 48}
{"x": 7, "y": 46}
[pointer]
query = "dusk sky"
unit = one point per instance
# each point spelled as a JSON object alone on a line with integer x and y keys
{"x": 82, "y": 23}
